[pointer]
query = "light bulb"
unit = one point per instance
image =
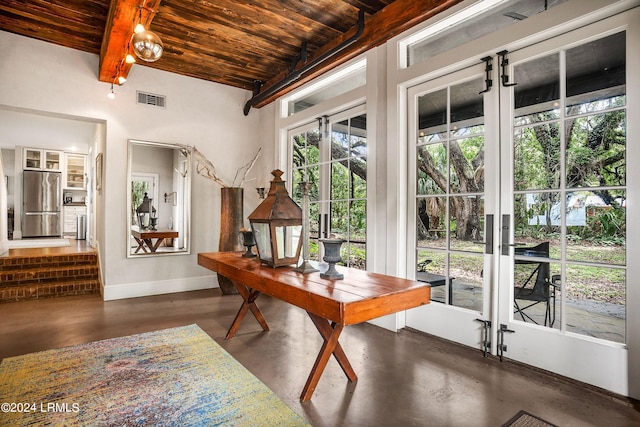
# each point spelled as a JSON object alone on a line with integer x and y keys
{"x": 111, "y": 95}
{"x": 129, "y": 59}
{"x": 121, "y": 80}
{"x": 138, "y": 28}
{"x": 147, "y": 46}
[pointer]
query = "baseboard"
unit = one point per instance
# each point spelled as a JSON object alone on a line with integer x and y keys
{"x": 157, "y": 287}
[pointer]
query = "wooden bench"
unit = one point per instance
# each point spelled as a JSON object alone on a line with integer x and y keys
{"x": 331, "y": 304}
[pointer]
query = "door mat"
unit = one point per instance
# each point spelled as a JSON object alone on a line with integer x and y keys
{"x": 525, "y": 419}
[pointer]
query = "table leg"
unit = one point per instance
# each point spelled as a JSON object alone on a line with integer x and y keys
{"x": 330, "y": 333}
{"x": 140, "y": 245}
{"x": 249, "y": 303}
{"x": 154, "y": 246}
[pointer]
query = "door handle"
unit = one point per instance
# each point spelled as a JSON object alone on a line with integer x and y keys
{"x": 505, "y": 234}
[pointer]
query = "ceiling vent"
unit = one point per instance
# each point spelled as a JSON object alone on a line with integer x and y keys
{"x": 151, "y": 99}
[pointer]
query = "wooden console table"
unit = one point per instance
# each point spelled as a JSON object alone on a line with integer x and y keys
{"x": 145, "y": 238}
{"x": 331, "y": 304}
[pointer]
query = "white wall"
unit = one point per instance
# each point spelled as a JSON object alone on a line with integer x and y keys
{"x": 41, "y": 77}
{"x": 8, "y": 162}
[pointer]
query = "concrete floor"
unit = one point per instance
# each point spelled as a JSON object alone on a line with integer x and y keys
{"x": 405, "y": 379}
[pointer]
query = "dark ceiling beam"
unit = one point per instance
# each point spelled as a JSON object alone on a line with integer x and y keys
{"x": 123, "y": 17}
{"x": 395, "y": 18}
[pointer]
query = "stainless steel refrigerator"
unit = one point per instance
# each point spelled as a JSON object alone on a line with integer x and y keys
{"x": 41, "y": 204}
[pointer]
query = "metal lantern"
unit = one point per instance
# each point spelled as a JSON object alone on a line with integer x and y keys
{"x": 277, "y": 226}
{"x": 145, "y": 212}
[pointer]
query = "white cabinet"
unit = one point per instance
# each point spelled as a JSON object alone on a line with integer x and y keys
{"x": 75, "y": 171}
{"x": 39, "y": 159}
{"x": 70, "y": 215}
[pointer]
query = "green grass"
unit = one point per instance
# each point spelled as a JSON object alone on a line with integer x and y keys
{"x": 597, "y": 282}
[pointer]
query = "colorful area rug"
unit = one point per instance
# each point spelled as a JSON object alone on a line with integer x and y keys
{"x": 173, "y": 377}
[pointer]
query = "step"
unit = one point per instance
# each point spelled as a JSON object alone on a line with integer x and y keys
{"x": 46, "y": 276}
{"x": 26, "y": 262}
{"x": 49, "y": 290}
{"x": 30, "y": 275}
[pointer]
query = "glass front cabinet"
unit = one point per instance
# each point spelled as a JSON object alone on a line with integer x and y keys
{"x": 75, "y": 171}
{"x": 39, "y": 159}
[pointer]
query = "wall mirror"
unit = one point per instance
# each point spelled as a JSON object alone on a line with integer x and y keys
{"x": 159, "y": 199}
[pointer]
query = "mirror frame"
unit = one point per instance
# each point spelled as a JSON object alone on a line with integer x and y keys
{"x": 187, "y": 198}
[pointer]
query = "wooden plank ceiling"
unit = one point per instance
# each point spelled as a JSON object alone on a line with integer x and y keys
{"x": 231, "y": 42}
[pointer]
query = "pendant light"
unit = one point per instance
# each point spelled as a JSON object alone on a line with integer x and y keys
{"x": 111, "y": 95}
{"x": 146, "y": 44}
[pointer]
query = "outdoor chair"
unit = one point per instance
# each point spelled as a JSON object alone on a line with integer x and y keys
{"x": 539, "y": 287}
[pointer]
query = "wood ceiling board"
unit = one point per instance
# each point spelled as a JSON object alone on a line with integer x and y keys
{"x": 215, "y": 34}
{"x": 70, "y": 24}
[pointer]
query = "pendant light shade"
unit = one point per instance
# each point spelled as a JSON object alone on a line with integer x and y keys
{"x": 147, "y": 46}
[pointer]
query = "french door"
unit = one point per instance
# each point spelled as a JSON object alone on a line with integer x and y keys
{"x": 331, "y": 154}
{"x": 452, "y": 175}
{"x": 541, "y": 159}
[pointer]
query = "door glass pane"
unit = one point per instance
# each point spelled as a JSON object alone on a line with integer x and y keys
{"x": 596, "y": 302}
{"x": 537, "y": 219}
{"x": 536, "y": 287}
{"x": 339, "y": 181}
{"x": 467, "y": 167}
{"x": 431, "y": 219}
{"x": 466, "y": 280}
{"x": 596, "y": 75}
{"x": 432, "y": 119}
{"x": 467, "y": 223}
{"x": 432, "y": 168}
{"x": 597, "y": 226}
{"x": 449, "y": 192}
{"x": 537, "y": 91}
{"x": 305, "y": 148}
{"x": 340, "y": 140}
{"x": 596, "y": 150}
{"x": 536, "y": 161}
{"x": 358, "y": 143}
{"x": 432, "y": 269}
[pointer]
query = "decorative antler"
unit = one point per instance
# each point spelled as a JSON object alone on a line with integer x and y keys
{"x": 205, "y": 168}
{"x": 247, "y": 168}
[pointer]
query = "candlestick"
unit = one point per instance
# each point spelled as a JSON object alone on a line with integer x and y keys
{"x": 248, "y": 241}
